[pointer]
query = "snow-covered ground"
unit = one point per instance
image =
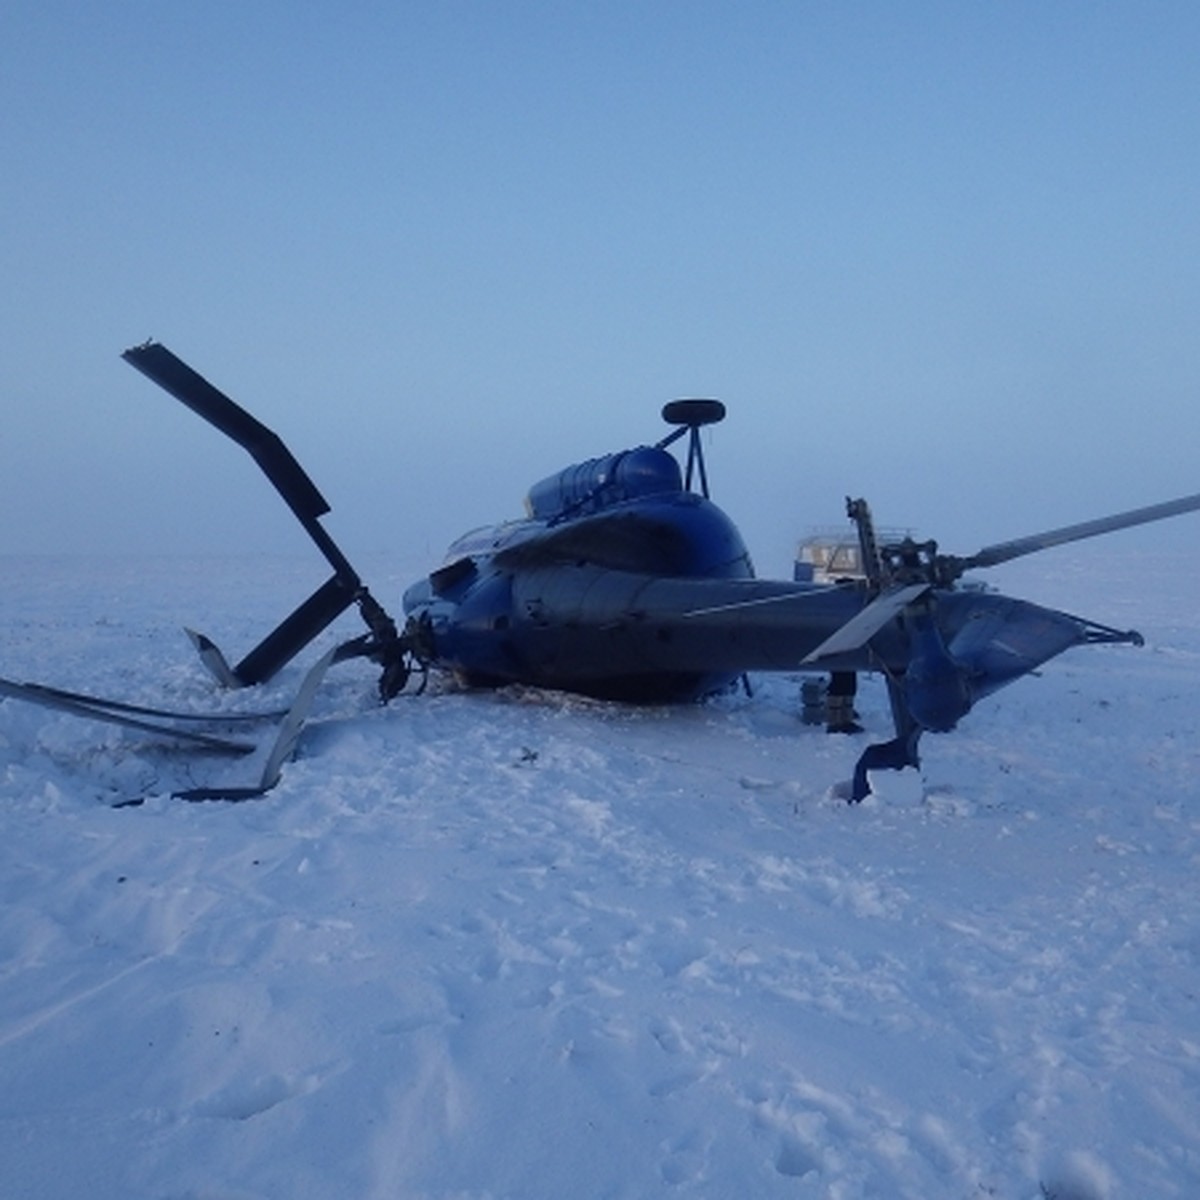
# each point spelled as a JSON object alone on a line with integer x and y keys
{"x": 523, "y": 945}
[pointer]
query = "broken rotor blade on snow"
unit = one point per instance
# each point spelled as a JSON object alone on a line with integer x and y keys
{"x": 117, "y": 715}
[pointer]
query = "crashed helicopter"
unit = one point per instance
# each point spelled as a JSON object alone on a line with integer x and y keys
{"x": 625, "y": 582}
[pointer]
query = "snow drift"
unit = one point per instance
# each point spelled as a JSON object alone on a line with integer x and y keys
{"x": 523, "y": 945}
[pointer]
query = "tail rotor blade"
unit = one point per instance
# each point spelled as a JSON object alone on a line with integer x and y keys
{"x": 860, "y": 629}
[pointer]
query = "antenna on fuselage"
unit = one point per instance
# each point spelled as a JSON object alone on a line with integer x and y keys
{"x": 690, "y": 415}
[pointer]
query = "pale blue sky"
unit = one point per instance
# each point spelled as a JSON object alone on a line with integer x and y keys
{"x": 944, "y": 255}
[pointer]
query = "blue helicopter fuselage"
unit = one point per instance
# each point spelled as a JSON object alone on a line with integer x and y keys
{"x": 622, "y": 584}
{"x": 558, "y": 598}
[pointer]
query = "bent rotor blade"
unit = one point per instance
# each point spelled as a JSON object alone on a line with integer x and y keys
{"x": 51, "y": 698}
{"x": 173, "y": 375}
{"x": 330, "y": 600}
{"x": 169, "y": 714}
{"x": 214, "y": 661}
{"x": 289, "y": 478}
{"x": 862, "y": 628}
{"x": 289, "y": 731}
{"x": 1002, "y": 552}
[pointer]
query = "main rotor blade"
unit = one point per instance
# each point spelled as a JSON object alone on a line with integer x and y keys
{"x": 173, "y": 375}
{"x": 291, "y": 481}
{"x": 112, "y": 715}
{"x": 1002, "y": 552}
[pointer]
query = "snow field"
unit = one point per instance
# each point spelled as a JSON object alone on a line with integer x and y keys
{"x": 524, "y": 945}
